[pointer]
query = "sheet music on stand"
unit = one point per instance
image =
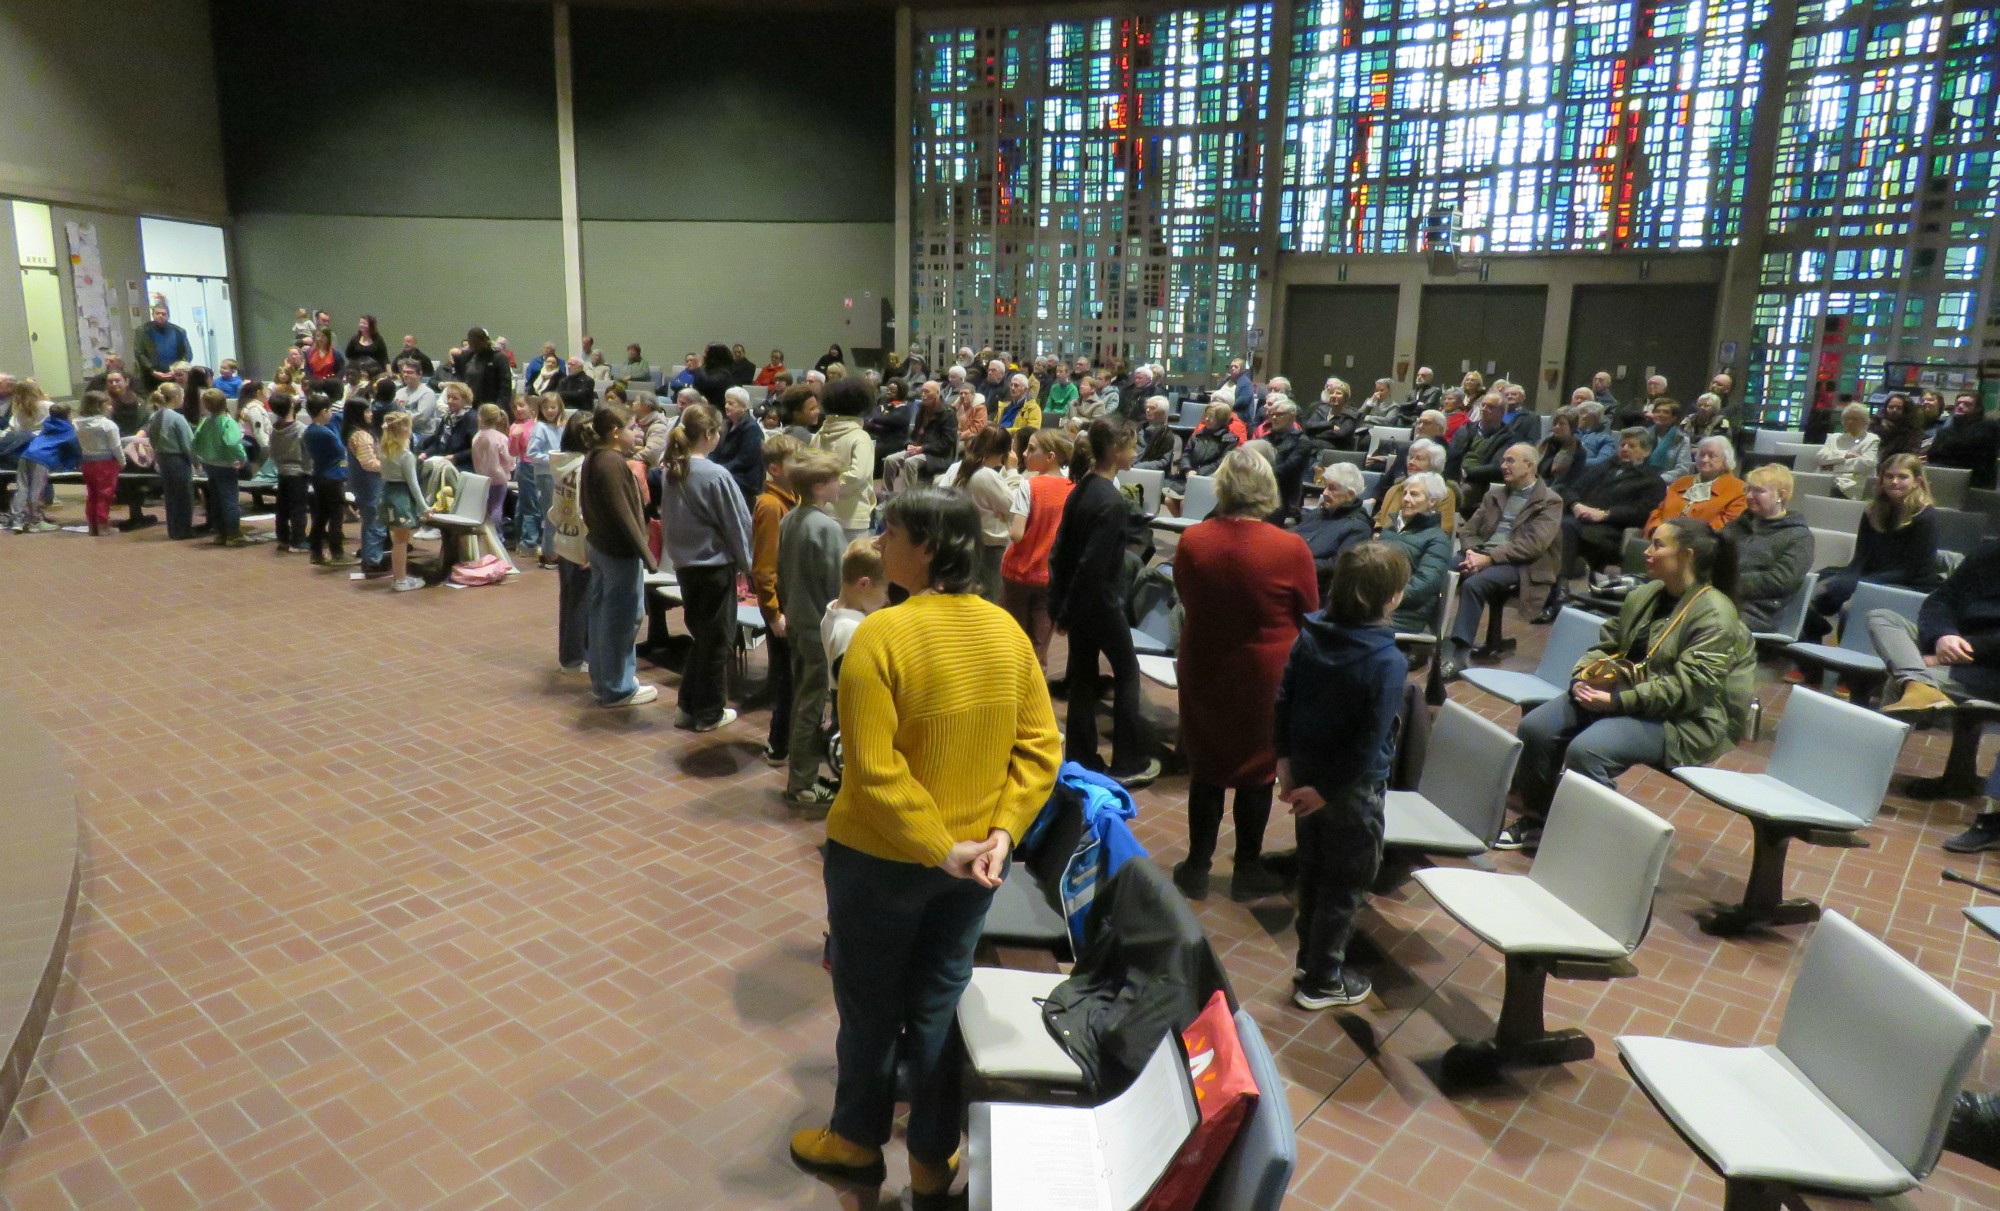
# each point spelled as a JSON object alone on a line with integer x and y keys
{"x": 1106, "y": 1158}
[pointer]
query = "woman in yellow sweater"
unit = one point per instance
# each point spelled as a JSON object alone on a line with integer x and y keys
{"x": 951, "y": 751}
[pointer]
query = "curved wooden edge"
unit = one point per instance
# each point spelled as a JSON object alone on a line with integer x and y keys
{"x": 40, "y": 879}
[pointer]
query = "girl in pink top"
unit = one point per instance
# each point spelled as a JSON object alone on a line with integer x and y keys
{"x": 492, "y": 458}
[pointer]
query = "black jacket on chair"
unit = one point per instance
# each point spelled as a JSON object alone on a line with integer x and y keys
{"x": 1146, "y": 968}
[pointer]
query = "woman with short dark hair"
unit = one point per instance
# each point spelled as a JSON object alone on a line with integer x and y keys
{"x": 951, "y": 751}
{"x": 1086, "y": 599}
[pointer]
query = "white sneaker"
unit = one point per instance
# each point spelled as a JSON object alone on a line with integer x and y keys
{"x": 724, "y": 720}
{"x": 579, "y": 669}
{"x": 407, "y": 583}
{"x": 639, "y": 697}
{"x": 427, "y": 534}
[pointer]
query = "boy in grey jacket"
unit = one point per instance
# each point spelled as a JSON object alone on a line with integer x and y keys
{"x": 288, "y": 454}
{"x": 810, "y": 546}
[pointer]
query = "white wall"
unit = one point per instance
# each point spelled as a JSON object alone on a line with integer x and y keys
{"x": 111, "y": 103}
{"x": 673, "y": 287}
{"x": 16, "y": 354}
{"x": 433, "y": 278}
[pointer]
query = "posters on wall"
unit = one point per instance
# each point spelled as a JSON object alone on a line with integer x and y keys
{"x": 96, "y": 335}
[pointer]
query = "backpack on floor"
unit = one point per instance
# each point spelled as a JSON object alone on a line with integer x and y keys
{"x": 487, "y": 569}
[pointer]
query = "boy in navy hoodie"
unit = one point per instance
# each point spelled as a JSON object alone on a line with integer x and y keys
{"x": 54, "y": 449}
{"x": 1337, "y": 706}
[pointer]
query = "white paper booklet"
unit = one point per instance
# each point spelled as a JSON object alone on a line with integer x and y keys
{"x": 1062, "y": 1158}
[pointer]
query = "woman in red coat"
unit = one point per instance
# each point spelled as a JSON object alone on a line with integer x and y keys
{"x": 1244, "y": 587}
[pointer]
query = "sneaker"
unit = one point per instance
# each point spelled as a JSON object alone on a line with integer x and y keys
{"x": 822, "y": 1150}
{"x": 1139, "y": 778}
{"x": 1982, "y": 836}
{"x": 1192, "y": 880}
{"x": 42, "y": 527}
{"x": 638, "y": 697}
{"x": 1253, "y": 882}
{"x": 302, "y": 550}
{"x": 343, "y": 561}
{"x": 1520, "y": 835}
{"x": 818, "y": 795}
{"x": 579, "y": 669}
{"x": 684, "y": 721}
{"x": 727, "y": 717}
{"x": 406, "y": 584}
{"x": 1346, "y": 988}
{"x": 427, "y": 534}
{"x": 773, "y": 755}
{"x": 235, "y": 540}
{"x": 1919, "y": 698}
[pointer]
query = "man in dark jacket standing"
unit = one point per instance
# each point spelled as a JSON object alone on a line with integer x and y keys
{"x": 1952, "y": 651}
{"x": 157, "y": 346}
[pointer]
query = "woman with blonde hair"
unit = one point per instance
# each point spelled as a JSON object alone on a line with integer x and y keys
{"x": 1774, "y": 547}
{"x": 1245, "y": 585}
{"x": 1849, "y": 455}
{"x": 1895, "y": 544}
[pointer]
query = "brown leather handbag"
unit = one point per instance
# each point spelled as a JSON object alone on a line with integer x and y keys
{"x": 1609, "y": 674}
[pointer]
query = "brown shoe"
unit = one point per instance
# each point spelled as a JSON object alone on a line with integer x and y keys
{"x": 929, "y": 1179}
{"x": 823, "y": 1150}
{"x": 1919, "y": 698}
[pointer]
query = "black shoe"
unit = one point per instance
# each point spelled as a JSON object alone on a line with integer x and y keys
{"x": 1283, "y": 863}
{"x": 1523, "y": 835}
{"x": 1939, "y": 788}
{"x": 773, "y": 755}
{"x": 1974, "y": 1130}
{"x": 1253, "y": 882}
{"x": 1549, "y": 612}
{"x": 1143, "y": 776}
{"x": 1192, "y": 880}
{"x": 1982, "y": 836}
{"x": 1452, "y": 669}
{"x": 1495, "y": 651}
{"x": 1345, "y": 988}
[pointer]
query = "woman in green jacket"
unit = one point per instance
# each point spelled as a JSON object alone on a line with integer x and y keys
{"x": 1688, "y": 703}
{"x": 1422, "y": 538}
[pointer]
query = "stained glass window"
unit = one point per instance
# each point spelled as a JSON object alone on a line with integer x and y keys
{"x": 1519, "y": 125}
{"x": 1091, "y": 186}
{"x": 1885, "y": 176}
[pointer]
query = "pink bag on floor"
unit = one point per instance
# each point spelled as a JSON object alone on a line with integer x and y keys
{"x": 487, "y": 569}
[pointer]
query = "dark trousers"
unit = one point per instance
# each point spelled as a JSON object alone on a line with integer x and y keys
{"x": 572, "y": 618}
{"x": 1559, "y": 735}
{"x": 1253, "y": 812}
{"x": 810, "y": 686}
{"x": 1340, "y": 851}
{"x": 329, "y": 513}
{"x": 1829, "y": 600}
{"x": 708, "y": 603}
{"x": 1487, "y": 587}
{"x": 1598, "y": 543}
{"x": 902, "y": 939}
{"x": 225, "y": 507}
{"x": 779, "y": 653}
{"x": 294, "y": 505}
{"x": 1112, "y": 640}
{"x": 177, "y": 493}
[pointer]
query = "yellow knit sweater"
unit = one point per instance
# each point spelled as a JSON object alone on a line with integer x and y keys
{"x": 947, "y": 729}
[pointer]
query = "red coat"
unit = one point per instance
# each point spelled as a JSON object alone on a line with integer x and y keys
{"x": 1244, "y": 585}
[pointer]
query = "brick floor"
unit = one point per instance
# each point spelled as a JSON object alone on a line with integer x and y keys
{"x": 377, "y": 912}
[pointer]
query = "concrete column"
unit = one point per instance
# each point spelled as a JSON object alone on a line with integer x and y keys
{"x": 572, "y": 226}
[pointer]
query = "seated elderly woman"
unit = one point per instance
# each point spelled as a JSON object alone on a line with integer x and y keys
{"x": 1338, "y": 522}
{"x": 1418, "y": 529}
{"x": 1850, "y": 455}
{"x": 1599, "y": 440}
{"x": 1712, "y": 494}
{"x": 1774, "y": 548}
{"x": 1424, "y": 455}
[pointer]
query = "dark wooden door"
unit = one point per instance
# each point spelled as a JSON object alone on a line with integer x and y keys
{"x": 1496, "y": 330}
{"x": 1339, "y": 332}
{"x": 1641, "y": 330}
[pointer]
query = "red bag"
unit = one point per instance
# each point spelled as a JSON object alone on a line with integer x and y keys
{"x": 1227, "y": 1093}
